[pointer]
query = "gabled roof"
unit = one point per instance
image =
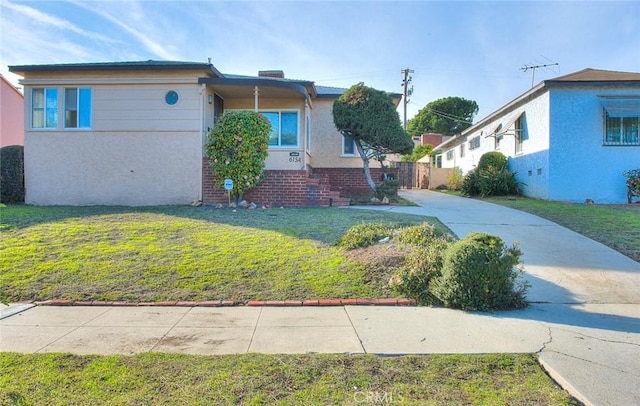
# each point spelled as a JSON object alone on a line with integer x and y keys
{"x": 597, "y": 75}
{"x": 585, "y": 77}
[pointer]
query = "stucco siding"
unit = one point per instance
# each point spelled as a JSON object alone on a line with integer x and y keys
{"x": 582, "y": 167}
{"x": 326, "y": 140}
{"x": 85, "y": 168}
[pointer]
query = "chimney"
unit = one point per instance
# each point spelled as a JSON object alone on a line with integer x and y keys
{"x": 271, "y": 74}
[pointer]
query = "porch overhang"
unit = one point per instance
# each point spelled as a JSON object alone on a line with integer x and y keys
{"x": 245, "y": 87}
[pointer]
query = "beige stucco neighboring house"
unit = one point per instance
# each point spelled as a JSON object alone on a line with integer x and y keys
{"x": 133, "y": 133}
{"x": 11, "y": 114}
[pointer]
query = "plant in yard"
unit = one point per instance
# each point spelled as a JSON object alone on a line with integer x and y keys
{"x": 365, "y": 234}
{"x": 491, "y": 177}
{"x": 12, "y": 174}
{"x": 479, "y": 273}
{"x": 633, "y": 183}
{"x": 237, "y": 149}
{"x": 388, "y": 188}
{"x": 421, "y": 235}
{"x": 369, "y": 117}
{"x": 454, "y": 179}
{"x": 420, "y": 268}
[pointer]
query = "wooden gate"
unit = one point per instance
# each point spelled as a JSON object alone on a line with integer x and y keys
{"x": 413, "y": 175}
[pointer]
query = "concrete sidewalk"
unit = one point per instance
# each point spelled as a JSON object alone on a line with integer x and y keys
{"x": 584, "y": 322}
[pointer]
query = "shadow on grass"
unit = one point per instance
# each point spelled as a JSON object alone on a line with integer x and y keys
{"x": 321, "y": 224}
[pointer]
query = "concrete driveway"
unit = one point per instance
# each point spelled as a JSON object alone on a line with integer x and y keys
{"x": 585, "y": 294}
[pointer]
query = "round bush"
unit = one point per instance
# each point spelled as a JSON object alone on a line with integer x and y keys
{"x": 478, "y": 274}
{"x": 12, "y": 174}
{"x": 420, "y": 268}
{"x": 493, "y": 159}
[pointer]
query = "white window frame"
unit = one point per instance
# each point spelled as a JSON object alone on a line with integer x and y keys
{"x": 279, "y": 146}
{"x": 45, "y": 126}
{"x": 474, "y": 143}
{"x": 79, "y": 109}
{"x": 450, "y": 155}
{"x": 345, "y": 141}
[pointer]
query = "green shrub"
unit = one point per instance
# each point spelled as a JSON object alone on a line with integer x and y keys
{"x": 497, "y": 182}
{"x": 493, "y": 159}
{"x": 454, "y": 179}
{"x": 491, "y": 178}
{"x": 421, "y": 235}
{"x": 12, "y": 174}
{"x": 470, "y": 184}
{"x": 421, "y": 266}
{"x": 388, "y": 188}
{"x": 478, "y": 273}
{"x": 365, "y": 234}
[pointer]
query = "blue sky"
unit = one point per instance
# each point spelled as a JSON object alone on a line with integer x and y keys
{"x": 470, "y": 49}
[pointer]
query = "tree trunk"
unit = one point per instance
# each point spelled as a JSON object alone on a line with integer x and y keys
{"x": 365, "y": 166}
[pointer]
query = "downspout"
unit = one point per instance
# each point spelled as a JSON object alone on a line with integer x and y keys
{"x": 203, "y": 94}
{"x": 255, "y": 99}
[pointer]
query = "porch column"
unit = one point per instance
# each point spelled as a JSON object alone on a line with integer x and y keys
{"x": 255, "y": 98}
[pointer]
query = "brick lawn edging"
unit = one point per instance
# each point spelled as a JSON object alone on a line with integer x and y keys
{"x": 227, "y": 303}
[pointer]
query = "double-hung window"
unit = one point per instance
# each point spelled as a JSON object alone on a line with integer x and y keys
{"x": 44, "y": 107}
{"x": 348, "y": 146}
{"x": 77, "y": 107}
{"x": 519, "y": 133}
{"x": 284, "y": 128}
{"x": 621, "y": 122}
{"x": 474, "y": 143}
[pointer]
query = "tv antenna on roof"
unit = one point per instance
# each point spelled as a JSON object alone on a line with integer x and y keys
{"x": 533, "y": 69}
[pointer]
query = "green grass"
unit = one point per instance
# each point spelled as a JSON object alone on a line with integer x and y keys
{"x": 183, "y": 253}
{"x": 257, "y": 379}
{"x": 616, "y": 226}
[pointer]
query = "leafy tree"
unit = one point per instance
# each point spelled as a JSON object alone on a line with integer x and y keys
{"x": 448, "y": 116}
{"x": 369, "y": 117}
{"x": 237, "y": 149}
{"x": 418, "y": 152}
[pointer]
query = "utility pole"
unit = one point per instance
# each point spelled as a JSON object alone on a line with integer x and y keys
{"x": 533, "y": 69}
{"x": 406, "y": 91}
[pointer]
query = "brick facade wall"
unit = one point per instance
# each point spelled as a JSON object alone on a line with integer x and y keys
{"x": 350, "y": 182}
{"x": 300, "y": 188}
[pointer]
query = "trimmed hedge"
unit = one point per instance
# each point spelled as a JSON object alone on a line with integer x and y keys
{"x": 12, "y": 174}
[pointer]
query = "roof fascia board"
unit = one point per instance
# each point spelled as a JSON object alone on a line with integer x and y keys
{"x": 97, "y": 67}
{"x": 293, "y": 86}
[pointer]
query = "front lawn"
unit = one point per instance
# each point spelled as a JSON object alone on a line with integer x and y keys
{"x": 259, "y": 379}
{"x": 184, "y": 253}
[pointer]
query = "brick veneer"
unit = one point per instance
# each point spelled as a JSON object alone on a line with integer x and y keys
{"x": 297, "y": 188}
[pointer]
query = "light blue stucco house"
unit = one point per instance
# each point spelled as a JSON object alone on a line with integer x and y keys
{"x": 568, "y": 139}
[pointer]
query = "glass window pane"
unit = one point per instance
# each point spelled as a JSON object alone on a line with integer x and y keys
{"x": 630, "y": 130}
{"x": 275, "y": 127}
{"x": 52, "y": 108}
{"x": 37, "y": 118}
{"x": 85, "y": 108}
{"x": 613, "y": 130}
{"x": 37, "y": 98}
{"x": 348, "y": 146}
{"x": 289, "y": 130}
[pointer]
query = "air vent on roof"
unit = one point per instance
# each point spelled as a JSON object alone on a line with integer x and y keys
{"x": 271, "y": 74}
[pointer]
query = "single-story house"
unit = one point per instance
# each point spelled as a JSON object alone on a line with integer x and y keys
{"x": 568, "y": 139}
{"x": 133, "y": 133}
{"x": 11, "y": 114}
